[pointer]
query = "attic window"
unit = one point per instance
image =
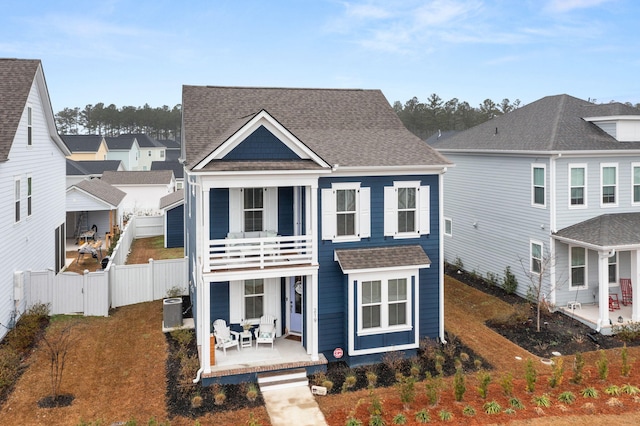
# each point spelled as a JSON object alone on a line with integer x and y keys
{"x": 29, "y": 127}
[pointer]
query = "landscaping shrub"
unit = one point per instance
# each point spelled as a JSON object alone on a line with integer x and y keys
{"x": 509, "y": 282}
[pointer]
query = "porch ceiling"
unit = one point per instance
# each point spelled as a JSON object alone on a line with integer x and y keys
{"x": 604, "y": 231}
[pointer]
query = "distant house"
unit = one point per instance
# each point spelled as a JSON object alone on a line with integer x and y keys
{"x": 32, "y": 184}
{"x": 315, "y": 208}
{"x": 86, "y": 147}
{"x": 80, "y": 170}
{"x": 144, "y": 189}
{"x": 150, "y": 150}
{"x": 124, "y": 148}
{"x": 173, "y": 207}
{"x": 173, "y": 149}
{"x": 175, "y": 166}
{"x": 93, "y": 204}
{"x": 551, "y": 189}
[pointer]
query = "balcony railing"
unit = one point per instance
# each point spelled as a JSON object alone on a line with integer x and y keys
{"x": 246, "y": 253}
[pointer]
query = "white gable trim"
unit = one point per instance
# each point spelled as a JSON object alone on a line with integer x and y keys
{"x": 81, "y": 192}
{"x": 278, "y": 130}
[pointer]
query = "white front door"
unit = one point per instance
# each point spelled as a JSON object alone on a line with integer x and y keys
{"x": 296, "y": 288}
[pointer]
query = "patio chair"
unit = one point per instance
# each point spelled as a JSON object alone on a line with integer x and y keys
{"x": 266, "y": 331}
{"x": 614, "y": 302}
{"x": 225, "y": 337}
{"x": 625, "y": 287}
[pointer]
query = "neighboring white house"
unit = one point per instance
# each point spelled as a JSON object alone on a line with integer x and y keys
{"x": 32, "y": 183}
{"x": 552, "y": 188}
{"x": 124, "y": 148}
{"x": 150, "y": 150}
{"x": 144, "y": 189}
{"x": 77, "y": 171}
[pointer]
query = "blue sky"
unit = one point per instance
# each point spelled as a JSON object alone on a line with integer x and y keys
{"x": 131, "y": 52}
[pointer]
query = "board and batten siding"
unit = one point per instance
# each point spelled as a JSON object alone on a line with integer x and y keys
{"x": 30, "y": 243}
{"x": 488, "y": 199}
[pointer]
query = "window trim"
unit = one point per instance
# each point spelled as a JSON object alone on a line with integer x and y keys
{"x": 585, "y": 266}
{"x": 532, "y": 258}
{"x": 535, "y": 166}
{"x": 245, "y": 296}
{"x": 584, "y": 204}
{"x": 616, "y": 263}
{"x": 633, "y": 184}
{"x": 17, "y": 194}
{"x": 353, "y": 212}
{"x": 615, "y": 186}
{"x": 29, "y": 195}
{"x": 384, "y": 277}
{"x": 423, "y": 210}
{"x": 450, "y": 226}
{"x": 362, "y": 226}
{"x": 261, "y": 209}
{"x": 29, "y": 126}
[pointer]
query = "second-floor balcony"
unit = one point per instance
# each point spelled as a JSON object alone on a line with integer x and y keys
{"x": 233, "y": 253}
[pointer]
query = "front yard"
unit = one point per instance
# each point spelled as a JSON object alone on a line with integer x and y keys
{"x": 116, "y": 372}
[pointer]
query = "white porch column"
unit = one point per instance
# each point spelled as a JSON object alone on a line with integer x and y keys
{"x": 312, "y": 221}
{"x": 206, "y": 326}
{"x": 603, "y": 282}
{"x": 635, "y": 279}
{"x": 312, "y": 318}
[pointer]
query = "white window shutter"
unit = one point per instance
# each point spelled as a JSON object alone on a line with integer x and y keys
{"x": 236, "y": 301}
{"x": 235, "y": 210}
{"x": 364, "y": 204}
{"x": 328, "y": 214}
{"x": 271, "y": 209}
{"x": 424, "y": 226}
{"x": 390, "y": 211}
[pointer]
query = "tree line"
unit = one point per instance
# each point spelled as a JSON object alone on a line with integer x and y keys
{"x": 159, "y": 123}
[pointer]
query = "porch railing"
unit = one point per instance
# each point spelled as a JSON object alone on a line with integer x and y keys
{"x": 244, "y": 253}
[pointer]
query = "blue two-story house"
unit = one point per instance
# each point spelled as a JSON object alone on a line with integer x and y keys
{"x": 318, "y": 208}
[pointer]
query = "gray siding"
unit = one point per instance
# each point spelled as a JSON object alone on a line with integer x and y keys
{"x": 494, "y": 192}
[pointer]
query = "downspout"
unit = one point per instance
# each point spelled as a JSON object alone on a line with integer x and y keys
{"x": 441, "y": 254}
{"x": 600, "y": 276}
{"x": 552, "y": 226}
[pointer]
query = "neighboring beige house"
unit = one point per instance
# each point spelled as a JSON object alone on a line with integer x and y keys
{"x": 144, "y": 189}
{"x": 86, "y": 147}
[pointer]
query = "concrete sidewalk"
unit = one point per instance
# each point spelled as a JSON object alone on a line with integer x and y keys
{"x": 293, "y": 406}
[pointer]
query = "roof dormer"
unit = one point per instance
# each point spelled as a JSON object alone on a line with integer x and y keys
{"x": 624, "y": 128}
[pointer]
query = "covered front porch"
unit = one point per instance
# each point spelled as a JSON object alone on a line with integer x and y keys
{"x": 593, "y": 260}
{"x": 243, "y": 364}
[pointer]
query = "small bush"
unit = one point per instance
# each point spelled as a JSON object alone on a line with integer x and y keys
{"x": 469, "y": 411}
{"x": 578, "y": 366}
{"x": 352, "y": 421}
{"x": 630, "y": 389}
{"x": 603, "y": 365}
{"x": 509, "y": 282}
{"x": 459, "y": 387}
{"x": 506, "y": 383}
{"x": 492, "y": 407}
{"x": 531, "y": 376}
{"x": 542, "y": 401}
{"x": 406, "y": 389}
{"x": 399, "y": 419}
{"x": 625, "y": 369}
{"x": 589, "y": 392}
{"x": 567, "y": 397}
{"x": 423, "y": 416}
{"x": 433, "y": 387}
{"x": 349, "y": 381}
{"x": 516, "y": 403}
{"x": 252, "y": 392}
{"x": 445, "y": 415}
{"x": 484, "y": 379}
{"x": 557, "y": 373}
{"x": 613, "y": 390}
{"x": 628, "y": 332}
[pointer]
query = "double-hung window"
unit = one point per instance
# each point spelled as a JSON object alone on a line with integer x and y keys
{"x": 384, "y": 304}
{"x": 609, "y": 187}
{"x": 253, "y": 209}
{"x": 346, "y": 212}
{"x": 613, "y": 269}
{"x": 406, "y": 209}
{"x": 635, "y": 176}
{"x": 253, "y": 299}
{"x": 17, "y": 199}
{"x": 578, "y": 268}
{"x": 29, "y": 193}
{"x": 29, "y": 126}
{"x": 448, "y": 227}
{"x": 536, "y": 257}
{"x": 577, "y": 188}
{"x": 538, "y": 179}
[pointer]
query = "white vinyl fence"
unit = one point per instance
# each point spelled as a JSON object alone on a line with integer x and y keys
{"x": 94, "y": 293}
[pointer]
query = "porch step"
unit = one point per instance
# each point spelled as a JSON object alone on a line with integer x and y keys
{"x": 283, "y": 379}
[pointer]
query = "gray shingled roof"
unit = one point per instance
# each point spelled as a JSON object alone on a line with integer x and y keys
{"x": 382, "y": 257}
{"x": 172, "y": 198}
{"x": 82, "y": 143}
{"x": 353, "y": 128}
{"x": 87, "y": 167}
{"x": 553, "y": 123}
{"x": 122, "y": 142}
{"x": 607, "y": 230}
{"x": 16, "y": 79}
{"x": 102, "y": 191}
{"x": 145, "y": 141}
{"x": 178, "y": 170}
{"x": 148, "y": 177}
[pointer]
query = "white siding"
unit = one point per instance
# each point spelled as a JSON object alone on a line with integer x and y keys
{"x": 488, "y": 199}
{"x": 144, "y": 199}
{"x": 29, "y": 244}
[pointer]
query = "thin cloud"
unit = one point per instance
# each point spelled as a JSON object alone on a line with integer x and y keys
{"x": 563, "y": 6}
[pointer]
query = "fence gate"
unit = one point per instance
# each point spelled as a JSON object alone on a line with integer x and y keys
{"x": 68, "y": 293}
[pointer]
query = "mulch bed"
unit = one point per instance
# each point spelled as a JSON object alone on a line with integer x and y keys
{"x": 558, "y": 332}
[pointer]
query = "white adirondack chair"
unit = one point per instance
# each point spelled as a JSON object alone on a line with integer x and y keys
{"x": 266, "y": 331}
{"x": 225, "y": 337}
